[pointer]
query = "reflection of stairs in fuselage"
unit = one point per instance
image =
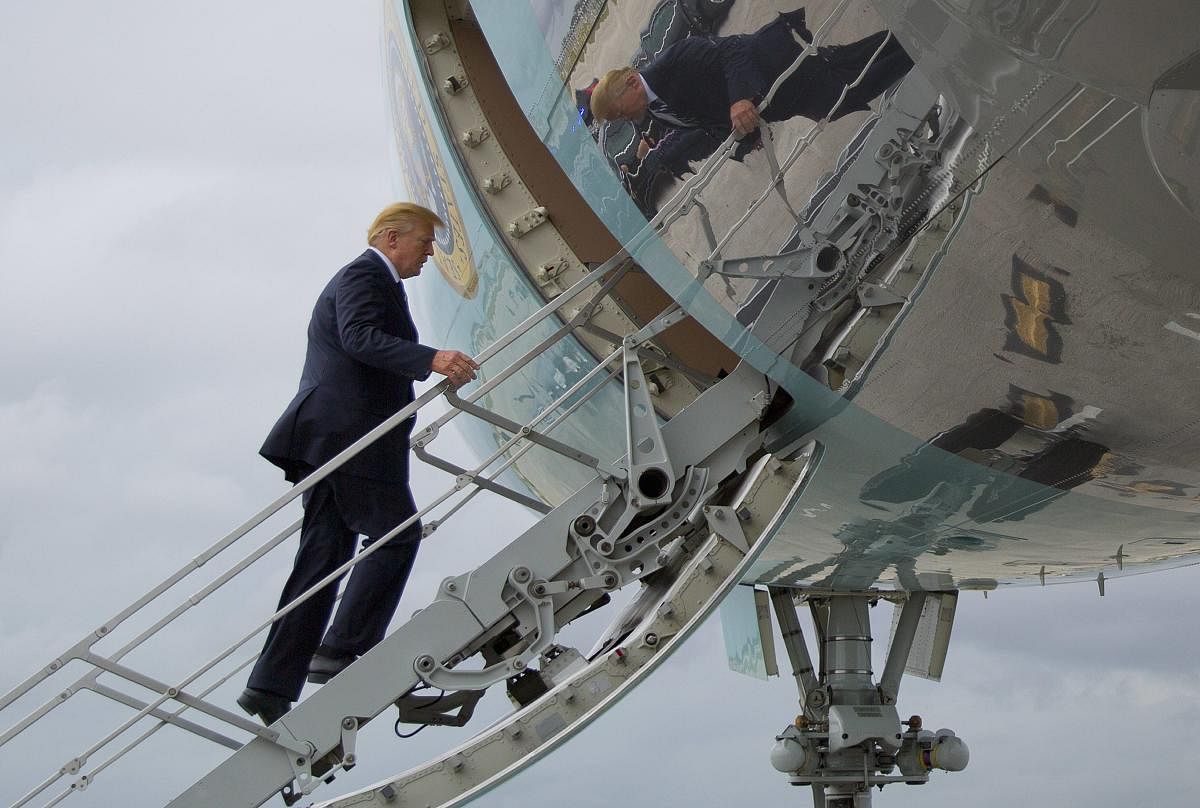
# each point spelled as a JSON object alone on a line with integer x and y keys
{"x": 757, "y": 298}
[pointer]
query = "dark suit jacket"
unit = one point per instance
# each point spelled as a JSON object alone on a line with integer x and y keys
{"x": 362, "y": 358}
{"x": 699, "y": 78}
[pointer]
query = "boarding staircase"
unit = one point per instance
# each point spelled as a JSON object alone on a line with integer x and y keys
{"x": 684, "y": 513}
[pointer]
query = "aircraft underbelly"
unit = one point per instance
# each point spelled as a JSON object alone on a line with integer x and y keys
{"x": 1041, "y": 311}
{"x": 1053, "y": 353}
{"x": 1028, "y": 416}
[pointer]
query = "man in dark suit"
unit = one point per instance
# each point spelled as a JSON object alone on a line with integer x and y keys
{"x": 716, "y": 83}
{"x": 362, "y": 359}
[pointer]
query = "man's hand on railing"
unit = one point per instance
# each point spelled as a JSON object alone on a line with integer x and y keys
{"x": 743, "y": 116}
{"x": 455, "y": 366}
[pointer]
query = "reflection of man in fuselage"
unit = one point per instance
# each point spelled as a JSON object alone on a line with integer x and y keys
{"x": 717, "y": 83}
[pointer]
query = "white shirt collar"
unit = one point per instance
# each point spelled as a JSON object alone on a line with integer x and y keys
{"x": 650, "y": 94}
{"x": 388, "y": 264}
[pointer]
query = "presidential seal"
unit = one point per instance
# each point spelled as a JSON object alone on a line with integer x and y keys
{"x": 421, "y": 164}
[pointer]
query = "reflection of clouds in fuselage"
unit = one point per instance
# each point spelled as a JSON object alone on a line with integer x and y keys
{"x": 1038, "y": 29}
{"x": 1010, "y": 485}
{"x": 948, "y": 500}
{"x": 872, "y": 546}
{"x": 554, "y": 19}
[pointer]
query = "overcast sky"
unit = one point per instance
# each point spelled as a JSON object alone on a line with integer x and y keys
{"x": 178, "y": 182}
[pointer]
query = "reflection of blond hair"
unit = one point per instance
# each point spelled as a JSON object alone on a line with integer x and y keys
{"x": 401, "y": 217}
{"x": 608, "y": 90}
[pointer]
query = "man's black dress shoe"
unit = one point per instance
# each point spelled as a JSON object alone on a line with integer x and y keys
{"x": 322, "y": 668}
{"x": 267, "y": 706}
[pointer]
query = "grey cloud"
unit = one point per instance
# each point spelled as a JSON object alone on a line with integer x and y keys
{"x": 179, "y": 182}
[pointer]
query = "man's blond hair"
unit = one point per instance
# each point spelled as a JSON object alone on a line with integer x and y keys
{"x": 401, "y": 217}
{"x": 606, "y": 92}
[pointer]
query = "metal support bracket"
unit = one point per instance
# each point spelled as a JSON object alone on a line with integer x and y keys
{"x": 650, "y": 471}
{"x": 549, "y": 274}
{"x": 724, "y": 522}
{"x": 610, "y": 544}
{"x": 560, "y": 587}
{"x": 303, "y": 781}
{"x": 436, "y": 42}
{"x": 474, "y": 136}
{"x": 527, "y": 221}
{"x": 349, "y": 738}
{"x": 497, "y": 182}
{"x": 541, "y": 608}
{"x": 897, "y": 658}
{"x": 437, "y": 711}
{"x": 812, "y": 695}
{"x": 455, "y": 83}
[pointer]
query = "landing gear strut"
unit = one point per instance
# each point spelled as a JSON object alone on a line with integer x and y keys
{"x": 849, "y": 737}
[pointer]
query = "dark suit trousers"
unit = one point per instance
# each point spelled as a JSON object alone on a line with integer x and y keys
{"x": 370, "y": 598}
{"x": 814, "y": 88}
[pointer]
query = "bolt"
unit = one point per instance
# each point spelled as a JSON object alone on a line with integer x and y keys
{"x": 451, "y": 586}
{"x": 539, "y": 590}
{"x": 651, "y": 639}
{"x": 349, "y": 761}
{"x": 425, "y": 663}
{"x": 388, "y": 793}
{"x": 349, "y": 723}
{"x": 518, "y": 665}
{"x": 521, "y": 574}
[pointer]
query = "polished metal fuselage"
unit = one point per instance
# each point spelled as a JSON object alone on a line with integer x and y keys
{"x": 1028, "y": 414}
